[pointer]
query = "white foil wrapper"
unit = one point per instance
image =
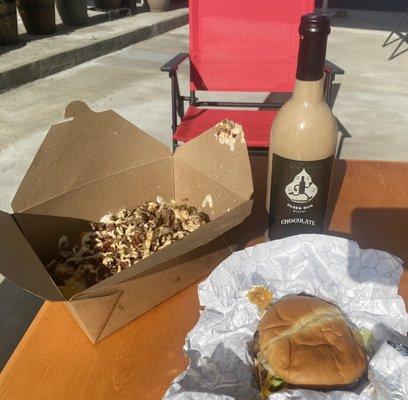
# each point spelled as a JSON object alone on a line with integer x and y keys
{"x": 362, "y": 283}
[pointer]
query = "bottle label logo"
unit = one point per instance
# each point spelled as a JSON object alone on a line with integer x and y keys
{"x": 301, "y": 189}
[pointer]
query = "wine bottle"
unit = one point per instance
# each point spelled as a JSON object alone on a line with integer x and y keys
{"x": 302, "y": 142}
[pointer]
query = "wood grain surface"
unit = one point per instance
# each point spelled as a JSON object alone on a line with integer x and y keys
{"x": 56, "y": 361}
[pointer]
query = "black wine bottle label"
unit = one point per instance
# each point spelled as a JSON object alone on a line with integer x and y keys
{"x": 299, "y": 192}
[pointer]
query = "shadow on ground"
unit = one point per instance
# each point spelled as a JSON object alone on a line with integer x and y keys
{"x": 367, "y": 5}
{"x": 17, "y": 310}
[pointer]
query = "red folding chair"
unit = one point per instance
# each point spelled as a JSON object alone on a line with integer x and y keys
{"x": 239, "y": 46}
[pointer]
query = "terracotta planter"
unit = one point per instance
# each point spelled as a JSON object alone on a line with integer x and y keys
{"x": 38, "y": 16}
{"x": 107, "y": 4}
{"x": 8, "y": 23}
{"x": 73, "y": 12}
{"x": 158, "y": 5}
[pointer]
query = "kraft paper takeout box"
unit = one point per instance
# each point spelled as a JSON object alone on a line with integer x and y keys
{"x": 97, "y": 163}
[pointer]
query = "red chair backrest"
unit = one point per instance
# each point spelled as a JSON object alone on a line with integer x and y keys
{"x": 238, "y": 45}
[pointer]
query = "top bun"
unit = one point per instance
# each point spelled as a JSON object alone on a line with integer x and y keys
{"x": 307, "y": 342}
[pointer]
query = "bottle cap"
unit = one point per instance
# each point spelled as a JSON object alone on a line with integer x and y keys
{"x": 314, "y": 23}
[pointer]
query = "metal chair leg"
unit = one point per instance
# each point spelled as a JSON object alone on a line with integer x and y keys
{"x": 328, "y": 85}
{"x": 173, "y": 104}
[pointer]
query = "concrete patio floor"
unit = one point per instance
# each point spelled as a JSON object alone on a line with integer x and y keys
{"x": 371, "y": 105}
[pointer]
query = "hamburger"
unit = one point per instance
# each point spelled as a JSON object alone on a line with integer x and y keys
{"x": 306, "y": 342}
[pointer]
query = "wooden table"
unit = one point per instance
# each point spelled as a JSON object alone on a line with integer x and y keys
{"x": 55, "y": 361}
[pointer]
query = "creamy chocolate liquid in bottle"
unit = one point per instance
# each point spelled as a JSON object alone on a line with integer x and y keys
{"x": 303, "y": 142}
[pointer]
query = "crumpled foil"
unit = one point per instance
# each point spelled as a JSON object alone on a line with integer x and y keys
{"x": 363, "y": 284}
